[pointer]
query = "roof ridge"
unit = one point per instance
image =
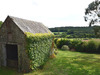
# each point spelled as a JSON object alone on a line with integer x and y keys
{"x": 29, "y": 25}
{"x": 23, "y": 19}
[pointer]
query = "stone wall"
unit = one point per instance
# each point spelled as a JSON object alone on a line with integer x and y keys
{"x": 10, "y": 33}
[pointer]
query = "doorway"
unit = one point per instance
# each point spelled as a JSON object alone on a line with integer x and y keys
{"x": 12, "y": 55}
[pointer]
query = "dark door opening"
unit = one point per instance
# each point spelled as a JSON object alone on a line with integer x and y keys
{"x": 12, "y": 55}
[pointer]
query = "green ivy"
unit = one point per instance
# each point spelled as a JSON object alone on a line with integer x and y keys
{"x": 38, "y": 48}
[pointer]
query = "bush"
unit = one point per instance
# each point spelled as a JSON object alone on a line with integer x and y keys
{"x": 60, "y": 42}
{"x": 38, "y": 48}
{"x": 78, "y": 45}
{"x": 69, "y": 42}
{"x": 84, "y": 47}
{"x": 65, "y": 47}
{"x": 91, "y": 46}
{"x": 99, "y": 48}
{"x": 55, "y": 40}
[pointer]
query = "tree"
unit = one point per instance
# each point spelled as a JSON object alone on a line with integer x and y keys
{"x": 1, "y": 23}
{"x": 92, "y": 13}
{"x": 63, "y": 35}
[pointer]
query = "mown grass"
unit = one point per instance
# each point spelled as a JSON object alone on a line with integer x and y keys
{"x": 67, "y": 63}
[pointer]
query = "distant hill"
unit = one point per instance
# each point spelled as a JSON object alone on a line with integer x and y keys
{"x": 79, "y": 32}
{"x": 65, "y": 29}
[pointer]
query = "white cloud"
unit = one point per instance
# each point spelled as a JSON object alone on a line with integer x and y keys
{"x": 50, "y": 12}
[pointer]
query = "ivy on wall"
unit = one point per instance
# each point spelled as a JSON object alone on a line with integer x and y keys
{"x": 38, "y": 48}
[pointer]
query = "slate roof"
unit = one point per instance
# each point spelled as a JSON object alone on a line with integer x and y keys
{"x": 30, "y": 26}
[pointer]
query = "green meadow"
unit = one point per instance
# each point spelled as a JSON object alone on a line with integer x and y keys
{"x": 65, "y": 63}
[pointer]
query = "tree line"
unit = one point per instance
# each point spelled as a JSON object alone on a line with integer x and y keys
{"x": 74, "y": 32}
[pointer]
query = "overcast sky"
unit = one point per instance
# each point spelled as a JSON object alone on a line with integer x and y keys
{"x": 52, "y": 13}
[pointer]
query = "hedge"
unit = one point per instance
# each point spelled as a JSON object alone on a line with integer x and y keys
{"x": 91, "y": 46}
{"x": 38, "y": 48}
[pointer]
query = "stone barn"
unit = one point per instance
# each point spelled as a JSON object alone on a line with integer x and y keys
{"x": 13, "y": 42}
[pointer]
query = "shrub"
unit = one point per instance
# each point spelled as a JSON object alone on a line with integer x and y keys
{"x": 38, "y": 48}
{"x": 55, "y": 40}
{"x": 91, "y": 46}
{"x": 99, "y": 48}
{"x": 84, "y": 47}
{"x": 79, "y": 46}
{"x": 69, "y": 42}
{"x": 76, "y": 44}
{"x": 65, "y": 47}
{"x": 61, "y": 42}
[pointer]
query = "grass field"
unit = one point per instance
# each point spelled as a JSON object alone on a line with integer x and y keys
{"x": 66, "y": 63}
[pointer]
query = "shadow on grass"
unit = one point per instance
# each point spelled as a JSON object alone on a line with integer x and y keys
{"x": 9, "y": 71}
